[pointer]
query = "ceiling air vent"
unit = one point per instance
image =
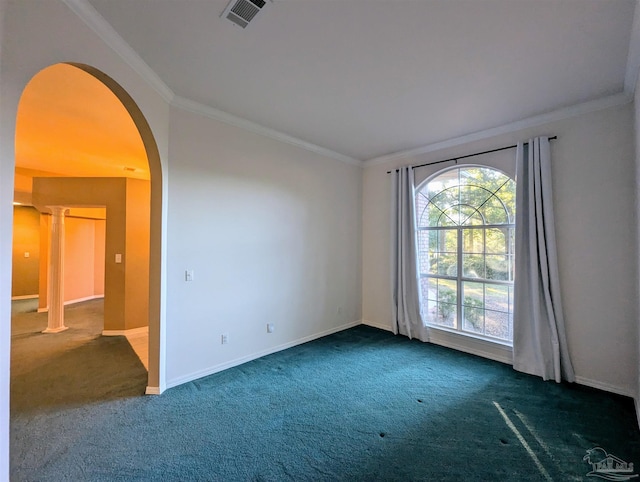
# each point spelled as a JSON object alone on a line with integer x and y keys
{"x": 241, "y": 12}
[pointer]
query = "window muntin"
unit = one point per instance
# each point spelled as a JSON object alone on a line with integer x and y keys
{"x": 465, "y": 228}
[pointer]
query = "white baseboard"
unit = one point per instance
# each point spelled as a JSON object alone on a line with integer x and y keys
{"x": 80, "y": 300}
{"x": 607, "y": 387}
{"x": 24, "y": 297}
{"x": 254, "y": 356}
{"x": 474, "y": 346}
{"x": 504, "y": 354}
{"x": 377, "y": 325}
{"x": 72, "y": 302}
{"x": 143, "y": 330}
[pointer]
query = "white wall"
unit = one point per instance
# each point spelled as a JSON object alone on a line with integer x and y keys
{"x": 272, "y": 233}
{"x": 271, "y": 230}
{"x": 594, "y": 189}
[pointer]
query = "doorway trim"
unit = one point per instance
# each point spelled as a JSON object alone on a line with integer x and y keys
{"x": 157, "y": 288}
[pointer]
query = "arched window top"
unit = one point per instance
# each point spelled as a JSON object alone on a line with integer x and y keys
{"x": 466, "y": 196}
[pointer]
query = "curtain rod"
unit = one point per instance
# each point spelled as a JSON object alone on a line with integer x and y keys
{"x": 468, "y": 155}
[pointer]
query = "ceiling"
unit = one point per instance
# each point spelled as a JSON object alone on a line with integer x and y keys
{"x": 367, "y": 78}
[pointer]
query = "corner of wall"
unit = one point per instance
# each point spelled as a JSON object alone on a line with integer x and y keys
{"x": 636, "y": 131}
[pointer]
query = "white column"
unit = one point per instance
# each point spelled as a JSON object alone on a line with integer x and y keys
{"x": 55, "y": 283}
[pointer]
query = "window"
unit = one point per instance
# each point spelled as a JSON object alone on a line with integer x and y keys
{"x": 465, "y": 228}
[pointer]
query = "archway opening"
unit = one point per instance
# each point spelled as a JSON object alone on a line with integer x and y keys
{"x": 83, "y": 144}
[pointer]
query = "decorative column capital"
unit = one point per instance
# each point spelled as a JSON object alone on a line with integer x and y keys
{"x": 58, "y": 211}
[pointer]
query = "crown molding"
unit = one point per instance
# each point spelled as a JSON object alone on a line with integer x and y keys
{"x": 556, "y": 115}
{"x": 633, "y": 56}
{"x": 92, "y": 18}
{"x": 213, "y": 113}
{"x": 96, "y": 22}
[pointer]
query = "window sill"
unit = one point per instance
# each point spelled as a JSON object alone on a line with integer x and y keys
{"x": 491, "y": 349}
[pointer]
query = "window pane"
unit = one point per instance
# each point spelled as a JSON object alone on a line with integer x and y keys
{"x": 447, "y": 303}
{"x": 449, "y": 216}
{"x": 442, "y": 182}
{"x": 446, "y": 198}
{"x": 471, "y": 217}
{"x": 448, "y": 240}
{"x": 497, "y": 324}
{"x": 473, "y": 241}
{"x": 507, "y": 194}
{"x": 473, "y": 319}
{"x": 473, "y": 307}
{"x": 429, "y": 298}
{"x": 447, "y": 264}
{"x": 496, "y": 240}
{"x": 472, "y": 175}
{"x": 433, "y": 239}
{"x": 497, "y": 267}
{"x": 473, "y": 195}
{"x": 446, "y": 243}
{"x": 434, "y": 263}
{"x": 497, "y": 297}
{"x": 422, "y": 216}
{"x": 492, "y": 179}
{"x": 423, "y": 251}
{"x": 473, "y": 266}
{"x": 473, "y": 294}
{"x": 494, "y": 212}
{"x": 433, "y": 213}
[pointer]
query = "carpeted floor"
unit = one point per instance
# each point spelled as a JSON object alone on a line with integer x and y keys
{"x": 359, "y": 405}
{"x": 28, "y": 305}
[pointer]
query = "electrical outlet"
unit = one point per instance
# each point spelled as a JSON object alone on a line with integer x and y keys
{"x": 224, "y": 338}
{"x": 270, "y": 327}
{"x": 188, "y": 275}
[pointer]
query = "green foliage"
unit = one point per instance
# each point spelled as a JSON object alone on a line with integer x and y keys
{"x": 473, "y": 311}
{"x": 467, "y": 196}
{"x": 446, "y": 303}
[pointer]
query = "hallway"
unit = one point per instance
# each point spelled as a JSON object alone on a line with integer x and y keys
{"x": 76, "y": 366}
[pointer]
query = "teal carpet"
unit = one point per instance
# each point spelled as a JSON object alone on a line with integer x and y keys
{"x": 360, "y": 405}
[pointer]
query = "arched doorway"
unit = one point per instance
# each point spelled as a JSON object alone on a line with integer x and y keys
{"x": 69, "y": 163}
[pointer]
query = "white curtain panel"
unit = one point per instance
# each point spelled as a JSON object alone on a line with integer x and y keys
{"x": 405, "y": 286}
{"x": 539, "y": 340}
